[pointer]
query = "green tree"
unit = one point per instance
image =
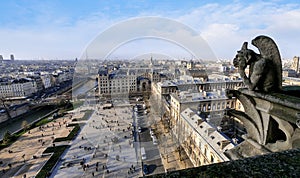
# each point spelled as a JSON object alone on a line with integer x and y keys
{"x": 7, "y": 137}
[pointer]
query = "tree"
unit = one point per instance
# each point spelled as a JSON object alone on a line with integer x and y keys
{"x": 25, "y": 125}
{"x": 7, "y": 137}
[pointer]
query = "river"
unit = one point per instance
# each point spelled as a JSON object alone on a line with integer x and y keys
{"x": 30, "y": 118}
{"x": 35, "y": 115}
{"x": 84, "y": 88}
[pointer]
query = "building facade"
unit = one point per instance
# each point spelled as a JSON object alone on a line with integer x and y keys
{"x": 189, "y": 83}
{"x": 18, "y": 88}
{"x": 202, "y": 142}
{"x": 122, "y": 82}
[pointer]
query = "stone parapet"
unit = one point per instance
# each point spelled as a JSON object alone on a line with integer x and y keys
{"x": 279, "y": 164}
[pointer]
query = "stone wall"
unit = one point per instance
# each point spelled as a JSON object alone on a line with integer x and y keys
{"x": 279, "y": 164}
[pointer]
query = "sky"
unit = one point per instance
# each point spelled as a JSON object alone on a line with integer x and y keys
{"x": 62, "y": 29}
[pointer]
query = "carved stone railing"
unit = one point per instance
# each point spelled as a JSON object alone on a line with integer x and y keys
{"x": 271, "y": 120}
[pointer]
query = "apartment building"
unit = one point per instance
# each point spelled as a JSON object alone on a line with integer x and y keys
{"x": 203, "y": 143}
{"x": 18, "y": 88}
{"x": 206, "y": 103}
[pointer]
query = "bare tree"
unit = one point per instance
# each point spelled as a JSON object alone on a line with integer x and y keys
{"x": 5, "y": 107}
{"x": 25, "y": 125}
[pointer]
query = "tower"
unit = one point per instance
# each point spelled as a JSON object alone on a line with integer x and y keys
{"x": 12, "y": 57}
{"x": 151, "y": 61}
{"x": 295, "y": 65}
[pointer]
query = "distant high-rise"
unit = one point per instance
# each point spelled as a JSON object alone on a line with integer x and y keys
{"x": 12, "y": 57}
{"x": 295, "y": 65}
{"x": 1, "y": 58}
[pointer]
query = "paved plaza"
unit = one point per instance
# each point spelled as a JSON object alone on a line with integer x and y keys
{"x": 104, "y": 147}
{"x": 18, "y": 158}
{"x": 107, "y": 146}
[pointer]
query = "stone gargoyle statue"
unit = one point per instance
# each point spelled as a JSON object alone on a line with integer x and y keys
{"x": 265, "y": 69}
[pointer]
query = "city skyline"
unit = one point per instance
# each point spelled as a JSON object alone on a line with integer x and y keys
{"x": 61, "y": 30}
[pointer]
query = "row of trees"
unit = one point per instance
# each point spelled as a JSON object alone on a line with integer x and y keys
{"x": 9, "y": 137}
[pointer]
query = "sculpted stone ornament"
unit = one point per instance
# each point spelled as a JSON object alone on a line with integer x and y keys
{"x": 271, "y": 114}
{"x": 265, "y": 69}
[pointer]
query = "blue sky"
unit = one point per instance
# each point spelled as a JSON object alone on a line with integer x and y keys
{"x": 61, "y": 29}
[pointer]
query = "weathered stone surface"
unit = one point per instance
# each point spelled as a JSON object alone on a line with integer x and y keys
{"x": 270, "y": 121}
{"x": 279, "y": 164}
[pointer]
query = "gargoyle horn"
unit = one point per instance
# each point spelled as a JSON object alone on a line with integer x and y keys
{"x": 245, "y": 46}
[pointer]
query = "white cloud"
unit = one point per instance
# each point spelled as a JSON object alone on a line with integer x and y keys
{"x": 57, "y": 40}
{"x": 149, "y": 28}
{"x": 226, "y": 27}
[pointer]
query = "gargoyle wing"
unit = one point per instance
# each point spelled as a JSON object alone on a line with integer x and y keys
{"x": 269, "y": 50}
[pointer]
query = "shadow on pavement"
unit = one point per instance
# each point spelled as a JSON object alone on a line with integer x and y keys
{"x": 151, "y": 168}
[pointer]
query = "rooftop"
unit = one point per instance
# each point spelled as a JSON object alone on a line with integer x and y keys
{"x": 189, "y": 96}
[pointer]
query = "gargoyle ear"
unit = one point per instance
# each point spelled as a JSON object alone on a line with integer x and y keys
{"x": 245, "y": 46}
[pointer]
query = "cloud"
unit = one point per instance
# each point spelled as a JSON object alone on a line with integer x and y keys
{"x": 150, "y": 28}
{"x": 57, "y": 40}
{"x": 225, "y": 27}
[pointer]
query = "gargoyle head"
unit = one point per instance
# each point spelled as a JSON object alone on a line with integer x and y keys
{"x": 243, "y": 56}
